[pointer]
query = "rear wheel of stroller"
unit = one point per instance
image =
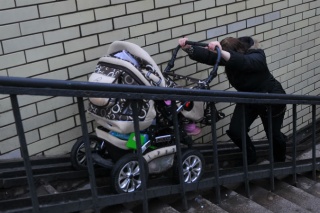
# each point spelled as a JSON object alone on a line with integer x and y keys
{"x": 192, "y": 166}
{"x": 78, "y": 152}
{"x": 126, "y": 174}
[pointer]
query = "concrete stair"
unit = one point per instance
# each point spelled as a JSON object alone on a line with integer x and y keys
{"x": 271, "y": 200}
{"x": 302, "y": 196}
{"x": 290, "y": 195}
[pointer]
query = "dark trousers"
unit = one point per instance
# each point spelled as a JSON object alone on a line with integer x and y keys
{"x": 251, "y": 112}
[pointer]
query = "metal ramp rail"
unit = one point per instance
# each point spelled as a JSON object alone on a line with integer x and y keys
{"x": 96, "y": 197}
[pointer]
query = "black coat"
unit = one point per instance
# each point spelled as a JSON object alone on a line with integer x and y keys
{"x": 247, "y": 72}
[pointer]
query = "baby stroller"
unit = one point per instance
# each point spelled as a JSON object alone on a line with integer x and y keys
{"x": 114, "y": 144}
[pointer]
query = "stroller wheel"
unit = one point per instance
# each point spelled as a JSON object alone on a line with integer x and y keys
{"x": 78, "y": 153}
{"x": 126, "y": 174}
{"x": 192, "y": 166}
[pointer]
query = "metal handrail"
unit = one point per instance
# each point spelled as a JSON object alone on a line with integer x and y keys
{"x": 17, "y": 85}
{"x": 14, "y": 86}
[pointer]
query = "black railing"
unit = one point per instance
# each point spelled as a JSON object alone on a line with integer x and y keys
{"x": 215, "y": 178}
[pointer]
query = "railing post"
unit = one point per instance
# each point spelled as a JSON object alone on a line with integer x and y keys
{"x": 294, "y": 145}
{"x": 25, "y": 153}
{"x": 85, "y": 134}
{"x": 314, "y": 162}
{"x": 135, "y": 110}
{"x": 215, "y": 152}
{"x": 271, "y": 158}
{"x": 179, "y": 154}
{"x": 244, "y": 151}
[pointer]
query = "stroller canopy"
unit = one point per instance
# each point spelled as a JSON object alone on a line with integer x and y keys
{"x": 138, "y": 53}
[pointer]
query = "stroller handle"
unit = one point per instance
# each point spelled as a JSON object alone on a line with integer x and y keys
{"x": 213, "y": 73}
{"x": 194, "y": 43}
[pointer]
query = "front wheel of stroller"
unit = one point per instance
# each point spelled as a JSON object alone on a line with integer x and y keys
{"x": 78, "y": 152}
{"x": 126, "y": 174}
{"x": 192, "y": 166}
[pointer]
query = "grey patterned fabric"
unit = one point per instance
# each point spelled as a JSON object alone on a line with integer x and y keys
{"x": 118, "y": 109}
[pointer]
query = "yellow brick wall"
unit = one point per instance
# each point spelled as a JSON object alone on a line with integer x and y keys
{"x": 63, "y": 40}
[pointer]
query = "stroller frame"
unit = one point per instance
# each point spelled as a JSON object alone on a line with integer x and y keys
{"x": 158, "y": 150}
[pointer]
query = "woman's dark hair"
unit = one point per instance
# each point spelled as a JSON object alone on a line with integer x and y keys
{"x": 234, "y": 44}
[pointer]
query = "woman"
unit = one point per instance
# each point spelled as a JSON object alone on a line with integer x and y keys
{"x": 247, "y": 71}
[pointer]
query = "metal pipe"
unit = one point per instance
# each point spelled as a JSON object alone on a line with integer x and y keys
{"x": 314, "y": 169}
{"x": 109, "y": 88}
{"x": 244, "y": 151}
{"x": 270, "y": 137}
{"x": 215, "y": 152}
{"x": 25, "y": 153}
{"x": 87, "y": 146}
{"x": 135, "y": 110}
{"x": 179, "y": 153}
{"x": 294, "y": 144}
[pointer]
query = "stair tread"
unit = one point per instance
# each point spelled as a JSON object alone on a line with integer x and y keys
{"x": 196, "y": 203}
{"x": 203, "y": 206}
{"x": 295, "y": 195}
{"x": 306, "y": 184}
{"x": 271, "y": 201}
{"x": 233, "y": 202}
{"x": 239, "y": 204}
{"x": 116, "y": 209}
{"x": 155, "y": 206}
{"x": 161, "y": 208}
